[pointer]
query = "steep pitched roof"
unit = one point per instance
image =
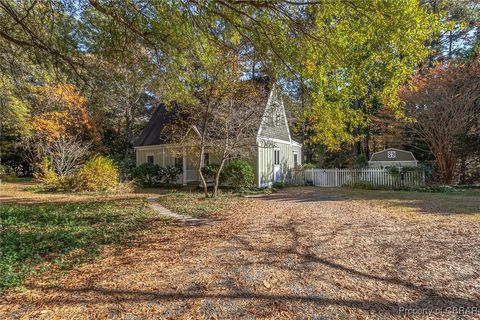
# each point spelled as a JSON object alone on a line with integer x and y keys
{"x": 154, "y": 133}
{"x": 151, "y": 134}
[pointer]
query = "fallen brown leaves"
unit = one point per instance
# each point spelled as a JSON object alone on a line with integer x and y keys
{"x": 300, "y": 253}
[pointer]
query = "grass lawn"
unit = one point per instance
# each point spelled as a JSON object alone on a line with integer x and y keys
{"x": 195, "y": 204}
{"x": 38, "y": 235}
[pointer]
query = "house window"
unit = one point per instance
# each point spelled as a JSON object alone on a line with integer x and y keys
{"x": 150, "y": 159}
{"x": 295, "y": 159}
{"x": 179, "y": 162}
{"x": 206, "y": 159}
{"x": 276, "y": 156}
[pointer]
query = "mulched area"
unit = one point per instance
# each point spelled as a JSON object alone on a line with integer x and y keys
{"x": 300, "y": 253}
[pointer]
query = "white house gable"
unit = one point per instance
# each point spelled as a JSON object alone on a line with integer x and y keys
{"x": 274, "y": 124}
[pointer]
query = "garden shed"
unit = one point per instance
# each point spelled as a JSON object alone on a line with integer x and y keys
{"x": 392, "y": 157}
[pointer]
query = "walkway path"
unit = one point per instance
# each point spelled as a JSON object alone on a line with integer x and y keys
{"x": 153, "y": 203}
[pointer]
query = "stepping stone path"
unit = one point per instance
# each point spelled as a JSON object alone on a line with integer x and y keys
{"x": 153, "y": 203}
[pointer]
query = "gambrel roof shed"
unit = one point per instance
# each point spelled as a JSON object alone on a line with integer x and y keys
{"x": 392, "y": 157}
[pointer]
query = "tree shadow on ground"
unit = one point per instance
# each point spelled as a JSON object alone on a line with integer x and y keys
{"x": 110, "y": 295}
{"x": 421, "y": 202}
{"x": 273, "y": 256}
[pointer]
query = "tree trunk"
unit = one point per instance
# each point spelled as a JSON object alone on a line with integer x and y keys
{"x": 446, "y": 163}
{"x": 217, "y": 179}
{"x": 199, "y": 170}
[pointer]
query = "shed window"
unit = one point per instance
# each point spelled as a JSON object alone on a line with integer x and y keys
{"x": 150, "y": 159}
{"x": 276, "y": 156}
{"x": 295, "y": 159}
{"x": 179, "y": 162}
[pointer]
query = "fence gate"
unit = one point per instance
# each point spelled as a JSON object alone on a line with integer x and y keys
{"x": 349, "y": 177}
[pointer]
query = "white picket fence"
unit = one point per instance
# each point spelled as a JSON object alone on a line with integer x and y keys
{"x": 349, "y": 177}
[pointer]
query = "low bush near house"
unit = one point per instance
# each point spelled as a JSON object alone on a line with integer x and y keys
{"x": 98, "y": 174}
{"x": 148, "y": 174}
{"x": 279, "y": 185}
{"x": 126, "y": 166}
{"x": 239, "y": 175}
{"x": 171, "y": 174}
{"x": 210, "y": 171}
{"x": 152, "y": 175}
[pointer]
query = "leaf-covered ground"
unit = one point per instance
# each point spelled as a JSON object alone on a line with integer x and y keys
{"x": 195, "y": 204}
{"x": 301, "y": 253}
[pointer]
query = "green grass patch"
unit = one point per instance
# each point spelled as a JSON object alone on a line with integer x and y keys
{"x": 36, "y": 237}
{"x": 195, "y": 204}
{"x": 15, "y": 179}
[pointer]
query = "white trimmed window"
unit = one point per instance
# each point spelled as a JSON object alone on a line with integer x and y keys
{"x": 295, "y": 159}
{"x": 150, "y": 158}
{"x": 276, "y": 156}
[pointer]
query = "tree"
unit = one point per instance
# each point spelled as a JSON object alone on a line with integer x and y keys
{"x": 66, "y": 154}
{"x": 230, "y": 122}
{"x": 443, "y": 104}
{"x": 59, "y": 115}
{"x": 226, "y": 111}
{"x": 459, "y": 30}
{"x": 336, "y": 51}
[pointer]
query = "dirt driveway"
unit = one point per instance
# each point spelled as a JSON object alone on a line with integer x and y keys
{"x": 300, "y": 253}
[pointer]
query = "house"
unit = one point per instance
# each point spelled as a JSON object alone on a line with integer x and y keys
{"x": 274, "y": 150}
{"x": 392, "y": 157}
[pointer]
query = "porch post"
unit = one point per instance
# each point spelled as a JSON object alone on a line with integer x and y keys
{"x": 184, "y": 158}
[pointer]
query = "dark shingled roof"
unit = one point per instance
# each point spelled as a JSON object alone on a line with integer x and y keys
{"x": 151, "y": 135}
{"x": 154, "y": 134}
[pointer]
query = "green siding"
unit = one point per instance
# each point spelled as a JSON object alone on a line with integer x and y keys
{"x": 266, "y": 162}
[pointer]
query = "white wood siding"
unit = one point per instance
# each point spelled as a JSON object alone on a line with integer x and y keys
{"x": 266, "y": 160}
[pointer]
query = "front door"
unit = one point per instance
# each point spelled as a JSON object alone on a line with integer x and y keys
{"x": 277, "y": 173}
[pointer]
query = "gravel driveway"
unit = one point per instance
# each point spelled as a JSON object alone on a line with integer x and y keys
{"x": 300, "y": 253}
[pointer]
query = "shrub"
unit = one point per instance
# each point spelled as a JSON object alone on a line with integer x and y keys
{"x": 98, "y": 174}
{"x": 278, "y": 185}
{"x": 210, "y": 171}
{"x": 171, "y": 174}
{"x": 148, "y": 174}
{"x": 360, "y": 162}
{"x": 309, "y": 182}
{"x": 307, "y": 166}
{"x": 126, "y": 166}
{"x": 47, "y": 176}
{"x": 364, "y": 185}
{"x": 239, "y": 175}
